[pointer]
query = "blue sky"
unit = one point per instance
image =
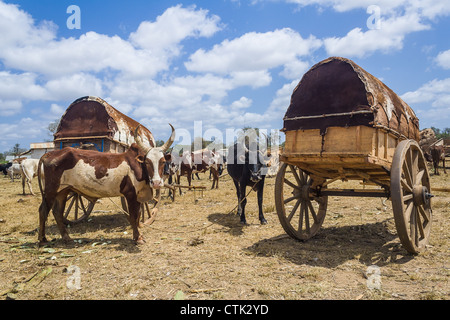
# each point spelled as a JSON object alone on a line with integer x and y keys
{"x": 229, "y": 64}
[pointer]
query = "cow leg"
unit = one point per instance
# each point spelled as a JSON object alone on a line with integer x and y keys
{"x": 215, "y": 176}
{"x": 189, "y": 178}
{"x": 242, "y": 202}
{"x": 260, "y": 204}
{"x": 133, "y": 208}
{"x": 178, "y": 182}
{"x": 44, "y": 209}
{"x": 236, "y": 184}
{"x": 58, "y": 212}
{"x": 23, "y": 183}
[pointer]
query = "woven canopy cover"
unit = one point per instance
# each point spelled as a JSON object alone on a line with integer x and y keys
{"x": 338, "y": 92}
{"x": 93, "y": 117}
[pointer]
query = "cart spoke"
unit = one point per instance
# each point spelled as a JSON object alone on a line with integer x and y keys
{"x": 82, "y": 206}
{"x": 308, "y": 230}
{"x": 70, "y": 206}
{"x": 413, "y": 227}
{"x": 290, "y": 199}
{"x": 313, "y": 212}
{"x": 294, "y": 172}
{"x": 407, "y": 197}
{"x": 76, "y": 208}
{"x": 406, "y": 186}
{"x": 302, "y": 176}
{"x": 415, "y": 164}
{"x": 309, "y": 181}
{"x": 419, "y": 176}
{"x": 425, "y": 215}
{"x": 289, "y": 218}
{"x": 408, "y": 176}
{"x": 300, "y": 219}
{"x": 419, "y": 224}
{"x": 408, "y": 210}
{"x": 289, "y": 183}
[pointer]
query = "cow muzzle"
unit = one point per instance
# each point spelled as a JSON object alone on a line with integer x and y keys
{"x": 255, "y": 177}
{"x": 156, "y": 184}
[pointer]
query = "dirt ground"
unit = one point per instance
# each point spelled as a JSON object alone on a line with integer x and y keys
{"x": 197, "y": 249}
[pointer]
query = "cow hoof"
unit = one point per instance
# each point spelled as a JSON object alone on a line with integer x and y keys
{"x": 140, "y": 241}
{"x": 66, "y": 239}
{"x": 244, "y": 223}
{"x": 263, "y": 221}
{"x": 42, "y": 242}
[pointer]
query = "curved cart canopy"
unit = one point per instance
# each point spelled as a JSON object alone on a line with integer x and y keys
{"x": 92, "y": 118}
{"x": 337, "y": 92}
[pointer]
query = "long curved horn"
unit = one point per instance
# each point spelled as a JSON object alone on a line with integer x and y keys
{"x": 169, "y": 142}
{"x": 139, "y": 142}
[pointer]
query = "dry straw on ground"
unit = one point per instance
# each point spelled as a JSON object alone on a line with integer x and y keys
{"x": 197, "y": 249}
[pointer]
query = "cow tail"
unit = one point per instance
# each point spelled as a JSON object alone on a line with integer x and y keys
{"x": 43, "y": 208}
{"x": 39, "y": 177}
{"x": 39, "y": 172}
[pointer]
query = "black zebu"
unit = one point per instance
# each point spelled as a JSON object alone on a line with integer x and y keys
{"x": 247, "y": 167}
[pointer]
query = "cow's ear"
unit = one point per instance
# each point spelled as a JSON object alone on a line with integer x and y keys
{"x": 140, "y": 159}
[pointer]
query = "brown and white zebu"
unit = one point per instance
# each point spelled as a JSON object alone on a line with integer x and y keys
{"x": 132, "y": 174}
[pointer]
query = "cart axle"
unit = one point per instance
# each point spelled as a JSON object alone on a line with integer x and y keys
{"x": 354, "y": 193}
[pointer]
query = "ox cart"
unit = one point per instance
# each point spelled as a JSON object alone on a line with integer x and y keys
{"x": 91, "y": 123}
{"x": 344, "y": 124}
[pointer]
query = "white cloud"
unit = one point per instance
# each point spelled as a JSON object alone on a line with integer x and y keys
{"x": 74, "y": 86}
{"x": 242, "y": 103}
{"x": 398, "y": 19}
{"x": 173, "y": 26}
{"x": 32, "y": 48}
{"x": 431, "y": 103}
{"x": 429, "y": 9}
{"x": 295, "y": 69}
{"x": 18, "y": 29}
{"x": 10, "y": 107}
{"x": 443, "y": 59}
{"x": 359, "y": 43}
{"x": 26, "y": 128}
{"x": 20, "y": 86}
{"x": 253, "y": 52}
{"x": 429, "y": 92}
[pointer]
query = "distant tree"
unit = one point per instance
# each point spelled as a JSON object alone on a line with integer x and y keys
{"x": 16, "y": 150}
{"x": 441, "y": 134}
{"x": 52, "y": 127}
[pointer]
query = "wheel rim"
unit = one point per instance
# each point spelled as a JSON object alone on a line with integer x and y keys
{"x": 410, "y": 192}
{"x": 78, "y": 208}
{"x": 300, "y": 214}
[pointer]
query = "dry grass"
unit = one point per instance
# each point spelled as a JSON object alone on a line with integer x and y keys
{"x": 197, "y": 246}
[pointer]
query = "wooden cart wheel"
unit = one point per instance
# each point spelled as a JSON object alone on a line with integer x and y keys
{"x": 410, "y": 193}
{"x": 147, "y": 208}
{"x": 300, "y": 214}
{"x": 78, "y": 208}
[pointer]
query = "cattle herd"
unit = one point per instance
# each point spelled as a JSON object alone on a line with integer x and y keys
{"x": 136, "y": 173}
